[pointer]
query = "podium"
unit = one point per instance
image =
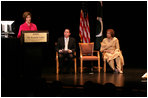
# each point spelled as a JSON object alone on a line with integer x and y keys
{"x": 33, "y": 44}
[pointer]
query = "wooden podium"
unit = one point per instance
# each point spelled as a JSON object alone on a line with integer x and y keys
{"x": 34, "y": 44}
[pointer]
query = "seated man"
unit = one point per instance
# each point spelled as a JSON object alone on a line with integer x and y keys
{"x": 66, "y": 47}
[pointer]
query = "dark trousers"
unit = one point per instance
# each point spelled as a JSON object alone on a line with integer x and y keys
{"x": 65, "y": 62}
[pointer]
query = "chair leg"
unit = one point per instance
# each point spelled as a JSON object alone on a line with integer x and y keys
{"x": 75, "y": 65}
{"x": 57, "y": 63}
{"x": 57, "y": 67}
{"x": 98, "y": 65}
{"x": 104, "y": 66}
{"x": 81, "y": 65}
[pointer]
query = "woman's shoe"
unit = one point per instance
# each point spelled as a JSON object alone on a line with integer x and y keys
{"x": 121, "y": 72}
{"x": 116, "y": 70}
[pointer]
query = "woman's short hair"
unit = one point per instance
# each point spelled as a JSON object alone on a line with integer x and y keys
{"x": 112, "y": 32}
{"x": 25, "y": 14}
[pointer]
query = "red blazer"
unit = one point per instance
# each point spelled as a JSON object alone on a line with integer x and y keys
{"x": 25, "y": 27}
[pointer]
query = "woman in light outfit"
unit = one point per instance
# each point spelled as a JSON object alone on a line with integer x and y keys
{"x": 110, "y": 46}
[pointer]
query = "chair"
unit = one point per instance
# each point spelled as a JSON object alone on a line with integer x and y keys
{"x": 57, "y": 63}
{"x": 86, "y": 54}
{"x": 105, "y": 61}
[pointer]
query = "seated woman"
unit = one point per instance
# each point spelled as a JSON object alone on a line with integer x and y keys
{"x": 27, "y": 26}
{"x": 110, "y": 46}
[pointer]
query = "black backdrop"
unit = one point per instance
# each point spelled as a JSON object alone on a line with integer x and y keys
{"x": 128, "y": 19}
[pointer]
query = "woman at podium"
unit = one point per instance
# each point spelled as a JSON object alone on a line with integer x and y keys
{"x": 27, "y": 26}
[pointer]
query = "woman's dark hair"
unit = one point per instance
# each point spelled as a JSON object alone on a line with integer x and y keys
{"x": 112, "y": 32}
{"x": 25, "y": 14}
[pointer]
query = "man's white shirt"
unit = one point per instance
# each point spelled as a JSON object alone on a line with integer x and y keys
{"x": 66, "y": 40}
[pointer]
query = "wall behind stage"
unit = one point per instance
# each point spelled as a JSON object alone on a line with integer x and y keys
{"x": 128, "y": 19}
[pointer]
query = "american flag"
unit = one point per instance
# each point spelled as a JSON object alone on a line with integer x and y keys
{"x": 84, "y": 30}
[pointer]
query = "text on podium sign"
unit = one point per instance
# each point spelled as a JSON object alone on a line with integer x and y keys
{"x": 35, "y": 37}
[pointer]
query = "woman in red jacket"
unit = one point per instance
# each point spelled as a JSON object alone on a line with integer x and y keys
{"x": 27, "y": 26}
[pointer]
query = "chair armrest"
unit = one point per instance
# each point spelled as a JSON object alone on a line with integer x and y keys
{"x": 74, "y": 53}
{"x": 103, "y": 53}
{"x": 81, "y": 54}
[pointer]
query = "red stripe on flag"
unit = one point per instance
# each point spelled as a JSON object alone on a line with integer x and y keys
{"x": 84, "y": 30}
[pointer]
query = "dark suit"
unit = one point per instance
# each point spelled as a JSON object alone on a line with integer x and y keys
{"x": 71, "y": 44}
{"x": 65, "y": 59}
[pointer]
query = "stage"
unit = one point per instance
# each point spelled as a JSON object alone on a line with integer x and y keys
{"x": 132, "y": 76}
{"x": 129, "y": 84}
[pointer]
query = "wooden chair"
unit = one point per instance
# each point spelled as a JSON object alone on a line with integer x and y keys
{"x": 105, "y": 61}
{"x": 57, "y": 63}
{"x": 86, "y": 54}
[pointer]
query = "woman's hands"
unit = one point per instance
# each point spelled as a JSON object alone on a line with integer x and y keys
{"x": 109, "y": 51}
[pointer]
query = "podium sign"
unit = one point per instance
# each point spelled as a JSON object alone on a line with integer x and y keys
{"x": 34, "y": 36}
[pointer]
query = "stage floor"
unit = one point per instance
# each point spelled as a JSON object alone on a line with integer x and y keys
{"x": 129, "y": 77}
